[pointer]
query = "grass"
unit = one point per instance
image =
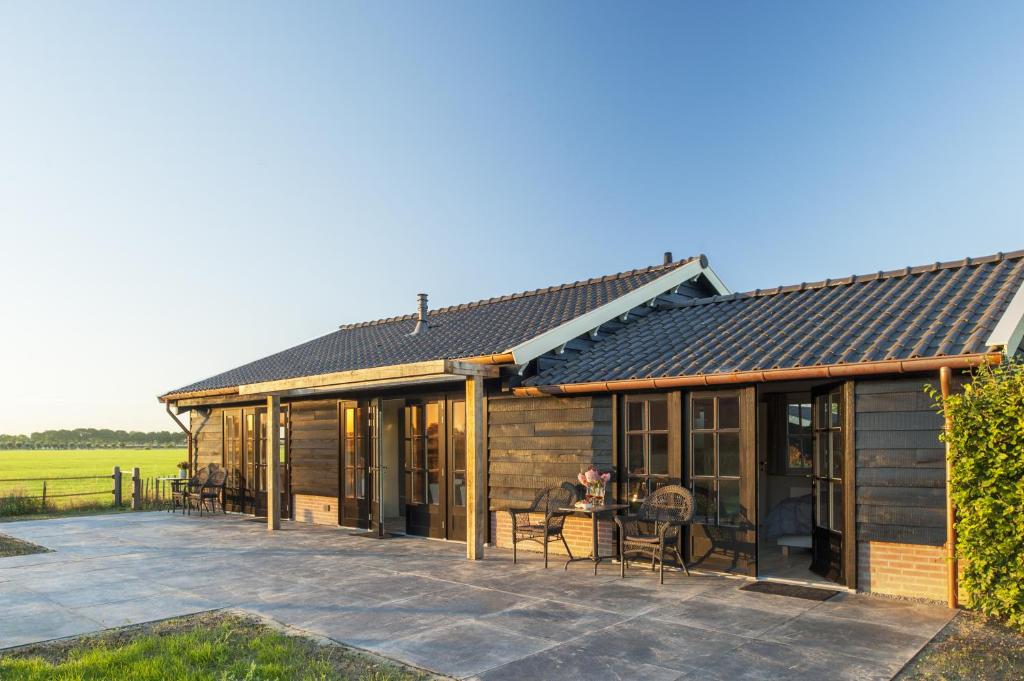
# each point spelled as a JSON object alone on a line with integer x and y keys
{"x": 971, "y": 647}
{"x": 18, "y": 499}
{"x": 9, "y": 546}
{"x": 210, "y": 646}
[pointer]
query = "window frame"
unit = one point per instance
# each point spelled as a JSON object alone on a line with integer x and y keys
{"x": 715, "y": 478}
{"x": 645, "y": 432}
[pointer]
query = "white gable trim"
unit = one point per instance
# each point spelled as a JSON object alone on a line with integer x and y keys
{"x": 558, "y": 336}
{"x": 1009, "y": 331}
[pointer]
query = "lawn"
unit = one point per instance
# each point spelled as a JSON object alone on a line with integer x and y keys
{"x": 77, "y": 463}
{"x": 214, "y": 646}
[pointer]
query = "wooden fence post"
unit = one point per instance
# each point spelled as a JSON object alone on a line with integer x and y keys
{"x": 44, "y": 495}
{"x": 117, "y": 486}
{"x": 136, "y": 490}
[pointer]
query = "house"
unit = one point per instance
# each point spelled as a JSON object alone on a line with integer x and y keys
{"x": 795, "y": 414}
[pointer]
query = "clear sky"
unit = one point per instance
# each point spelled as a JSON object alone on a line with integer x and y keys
{"x": 187, "y": 186}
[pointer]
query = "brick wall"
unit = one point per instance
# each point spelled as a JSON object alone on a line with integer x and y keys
{"x": 911, "y": 570}
{"x": 578, "y": 534}
{"x": 316, "y": 510}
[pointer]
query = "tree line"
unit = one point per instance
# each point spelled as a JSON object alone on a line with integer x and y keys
{"x": 93, "y": 438}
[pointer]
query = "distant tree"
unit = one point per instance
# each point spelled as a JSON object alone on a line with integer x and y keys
{"x": 92, "y": 438}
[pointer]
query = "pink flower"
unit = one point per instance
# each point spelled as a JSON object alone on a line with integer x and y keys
{"x": 591, "y": 475}
{"x": 582, "y": 478}
{"x": 606, "y": 477}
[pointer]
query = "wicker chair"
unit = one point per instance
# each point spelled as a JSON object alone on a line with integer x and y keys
{"x": 655, "y": 528}
{"x": 526, "y": 526}
{"x": 209, "y": 495}
{"x": 180, "y": 491}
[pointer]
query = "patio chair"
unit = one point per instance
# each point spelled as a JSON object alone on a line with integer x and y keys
{"x": 181, "y": 490}
{"x": 209, "y": 495}
{"x": 655, "y": 528}
{"x": 526, "y": 526}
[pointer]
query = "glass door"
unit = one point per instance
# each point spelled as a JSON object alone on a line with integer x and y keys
{"x": 234, "y": 464}
{"x": 261, "y": 463}
{"x": 425, "y": 468}
{"x": 354, "y": 508}
{"x": 828, "y": 483}
{"x": 457, "y": 490}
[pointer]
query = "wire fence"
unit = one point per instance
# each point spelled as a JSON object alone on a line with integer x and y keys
{"x": 120, "y": 489}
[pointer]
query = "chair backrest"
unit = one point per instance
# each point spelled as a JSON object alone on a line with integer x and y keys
{"x": 217, "y": 478}
{"x": 200, "y": 478}
{"x": 672, "y": 504}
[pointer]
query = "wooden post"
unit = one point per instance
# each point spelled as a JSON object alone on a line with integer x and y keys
{"x": 117, "y": 486}
{"x": 136, "y": 490}
{"x": 952, "y": 581}
{"x": 273, "y": 464}
{"x": 476, "y": 475}
{"x": 44, "y": 495}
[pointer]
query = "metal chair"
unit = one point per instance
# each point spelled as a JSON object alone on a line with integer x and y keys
{"x": 180, "y": 491}
{"x": 209, "y": 495}
{"x": 655, "y": 528}
{"x": 527, "y": 527}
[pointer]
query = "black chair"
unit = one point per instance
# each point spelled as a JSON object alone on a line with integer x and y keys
{"x": 655, "y": 528}
{"x": 527, "y": 526}
{"x": 210, "y": 494}
{"x": 181, "y": 489}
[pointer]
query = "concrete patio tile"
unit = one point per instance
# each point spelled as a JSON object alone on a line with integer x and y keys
{"x": 873, "y": 642}
{"x": 552, "y": 620}
{"x": 711, "y": 612}
{"x": 765, "y": 661}
{"x": 31, "y": 623}
{"x": 148, "y": 609}
{"x": 464, "y": 649}
{"x": 909, "y": 616}
{"x": 81, "y": 592}
{"x": 569, "y": 662}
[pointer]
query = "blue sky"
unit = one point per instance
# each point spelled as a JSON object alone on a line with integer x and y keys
{"x": 188, "y": 186}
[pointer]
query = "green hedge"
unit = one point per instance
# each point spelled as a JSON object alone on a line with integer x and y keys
{"x": 988, "y": 488}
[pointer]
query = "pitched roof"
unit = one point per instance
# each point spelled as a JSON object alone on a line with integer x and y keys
{"x": 472, "y": 329}
{"x": 937, "y": 310}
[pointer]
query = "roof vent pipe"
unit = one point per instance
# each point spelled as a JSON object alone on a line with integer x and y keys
{"x": 421, "y": 314}
{"x": 668, "y": 258}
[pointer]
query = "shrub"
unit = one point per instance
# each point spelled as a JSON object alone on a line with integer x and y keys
{"x": 987, "y": 486}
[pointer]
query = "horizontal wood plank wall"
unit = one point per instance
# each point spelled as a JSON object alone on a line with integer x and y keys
{"x": 537, "y": 442}
{"x": 314, "y": 448}
{"x": 900, "y": 464}
{"x": 208, "y": 434}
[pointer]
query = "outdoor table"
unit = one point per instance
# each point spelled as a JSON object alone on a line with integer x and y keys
{"x": 176, "y": 482}
{"x": 593, "y": 513}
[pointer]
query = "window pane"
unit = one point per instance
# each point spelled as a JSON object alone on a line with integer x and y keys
{"x": 835, "y": 411}
{"x": 821, "y": 409}
{"x": 729, "y": 502}
{"x": 637, "y": 489}
{"x": 459, "y": 489}
{"x": 418, "y": 484}
{"x": 635, "y": 444}
{"x": 837, "y": 506}
{"x": 413, "y": 420}
{"x": 728, "y": 453}
{"x": 798, "y": 455}
{"x": 704, "y": 501}
{"x": 635, "y": 415}
{"x": 418, "y": 459}
{"x": 823, "y": 447}
{"x": 658, "y": 415}
{"x": 837, "y": 454}
{"x": 659, "y": 455}
{"x": 433, "y": 453}
{"x": 459, "y": 435}
{"x": 360, "y": 483}
{"x": 703, "y": 413}
{"x": 703, "y": 454}
{"x": 729, "y": 412}
{"x": 433, "y": 487}
{"x": 821, "y": 520}
{"x": 350, "y": 483}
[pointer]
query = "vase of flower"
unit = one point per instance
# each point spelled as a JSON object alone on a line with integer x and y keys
{"x": 183, "y": 469}
{"x": 595, "y": 482}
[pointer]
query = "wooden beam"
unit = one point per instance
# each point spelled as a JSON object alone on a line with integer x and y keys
{"x": 411, "y": 370}
{"x": 476, "y": 472}
{"x": 273, "y": 466}
{"x": 463, "y": 368}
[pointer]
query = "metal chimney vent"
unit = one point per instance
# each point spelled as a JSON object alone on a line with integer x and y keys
{"x": 668, "y": 258}
{"x": 421, "y": 314}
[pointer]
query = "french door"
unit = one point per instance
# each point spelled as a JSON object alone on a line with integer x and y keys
{"x": 434, "y": 468}
{"x": 833, "y": 540}
{"x": 721, "y": 472}
{"x": 261, "y": 459}
{"x": 357, "y": 441}
{"x": 245, "y": 460}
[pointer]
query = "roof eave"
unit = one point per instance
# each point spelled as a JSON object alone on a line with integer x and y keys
{"x": 1009, "y": 330}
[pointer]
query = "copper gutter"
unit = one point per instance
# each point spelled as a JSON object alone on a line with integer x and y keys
{"x": 188, "y": 434}
{"x": 498, "y": 358}
{"x": 952, "y": 579}
{"x": 895, "y": 366}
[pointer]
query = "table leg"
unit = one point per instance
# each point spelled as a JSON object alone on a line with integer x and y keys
{"x": 593, "y": 526}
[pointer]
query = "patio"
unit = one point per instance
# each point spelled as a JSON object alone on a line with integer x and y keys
{"x": 421, "y": 602}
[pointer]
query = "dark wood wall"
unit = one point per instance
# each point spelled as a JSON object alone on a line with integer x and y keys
{"x": 537, "y": 442}
{"x": 314, "y": 447}
{"x": 208, "y": 435}
{"x": 901, "y": 473}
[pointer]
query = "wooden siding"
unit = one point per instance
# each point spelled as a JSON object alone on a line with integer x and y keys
{"x": 314, "y": 448}
{"x": 900, "y": 464}
{"x": 208, "y": 435}
{"x": 538, "y": 442}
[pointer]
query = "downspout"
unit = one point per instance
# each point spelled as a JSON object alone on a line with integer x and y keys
{"x": 952, "y": 586}
{"x": 187, "y": 431}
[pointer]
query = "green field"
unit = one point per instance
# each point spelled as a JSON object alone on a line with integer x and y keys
{"x": 56, "y": 464}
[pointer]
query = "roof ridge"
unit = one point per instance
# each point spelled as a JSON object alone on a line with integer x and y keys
{"x": 524, "y": 294}
{"x": 858, "y": 278}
